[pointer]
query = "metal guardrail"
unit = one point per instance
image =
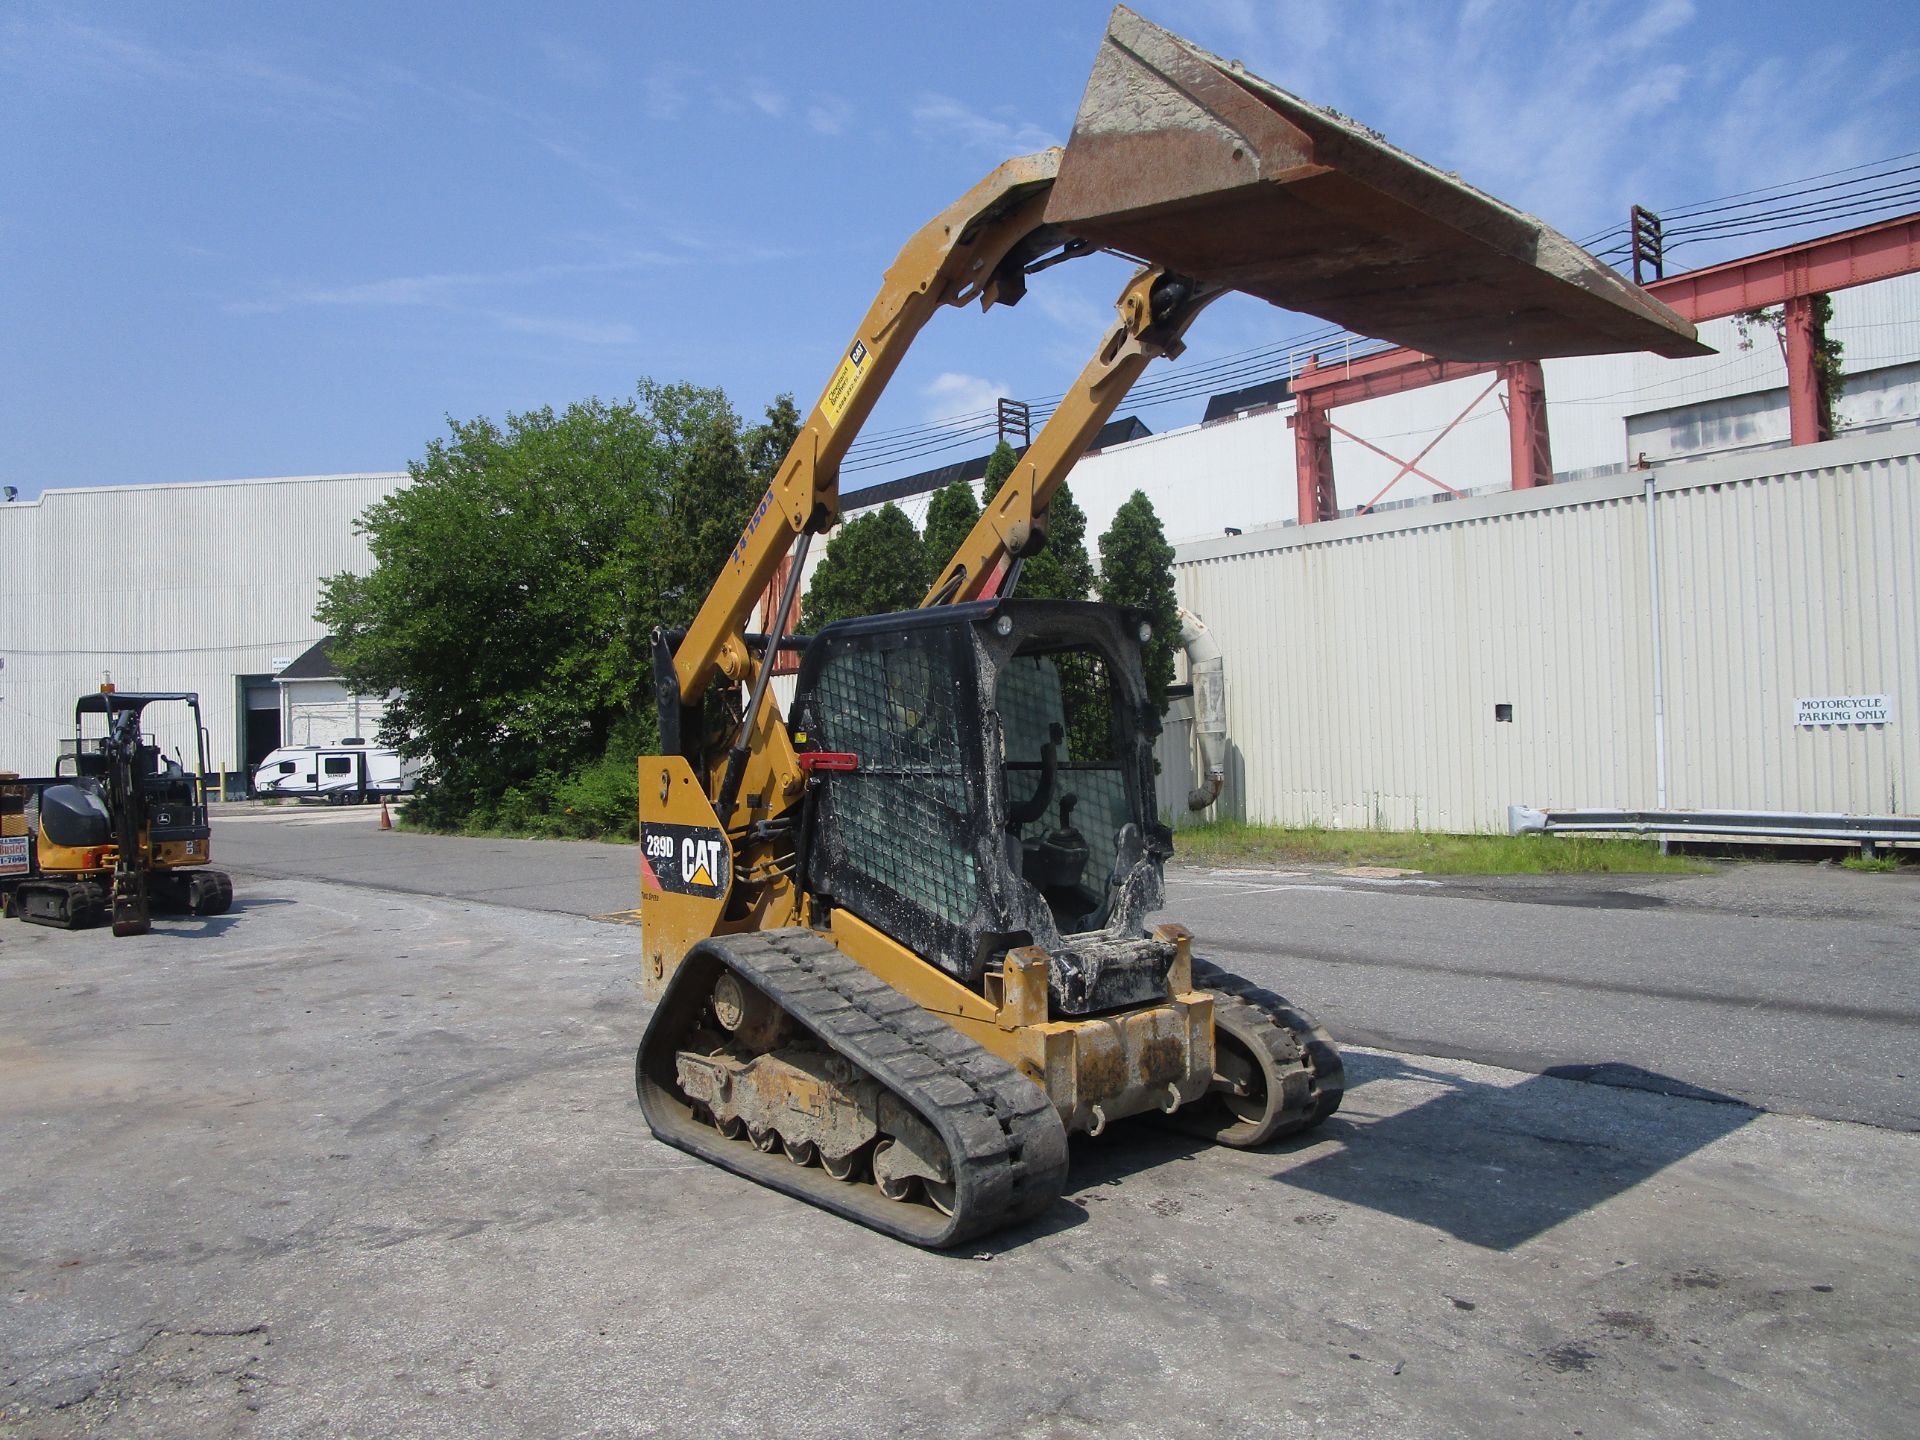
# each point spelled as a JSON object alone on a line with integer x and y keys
{"x": 1767, "y": 824}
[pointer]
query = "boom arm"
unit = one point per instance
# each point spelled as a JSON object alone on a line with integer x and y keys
{"x": 1155, "y": 310}
{"x": 976, "y": 248}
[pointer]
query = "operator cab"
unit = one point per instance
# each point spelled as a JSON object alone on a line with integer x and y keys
{"x": 1042, "y": 706}
{"x": 171, "y": 804}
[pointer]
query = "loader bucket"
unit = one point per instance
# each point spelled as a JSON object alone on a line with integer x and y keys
{"x": 1184, "y": 159}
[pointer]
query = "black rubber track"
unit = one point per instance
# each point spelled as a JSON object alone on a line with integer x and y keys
{"x": 75, "y": 905}
{"x": 1299, "y": 1059}
{"x": 209, "y": 892}
{"x": 1008, "y": 1147}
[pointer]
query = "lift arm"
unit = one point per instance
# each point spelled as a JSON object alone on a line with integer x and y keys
{"x": 1155, "y": 310}
{"x": 977, "y": 248}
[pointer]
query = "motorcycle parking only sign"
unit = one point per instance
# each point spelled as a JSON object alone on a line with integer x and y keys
{"x": 1843, "y": 710}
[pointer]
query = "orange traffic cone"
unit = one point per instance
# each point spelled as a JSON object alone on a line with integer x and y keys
{"x": 386, "y": 820}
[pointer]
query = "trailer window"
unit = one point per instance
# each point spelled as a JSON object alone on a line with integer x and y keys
{"x": 339, "y": 764}
{"x": 286, "y": 767}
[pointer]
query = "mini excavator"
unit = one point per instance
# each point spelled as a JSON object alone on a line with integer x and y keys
{"x": 127, "y": 833}
{"x": 900, "y": 939}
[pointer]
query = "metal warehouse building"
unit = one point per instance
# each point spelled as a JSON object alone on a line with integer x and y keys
{"x": 1637, "y": 641}
{"x": 203, "y": 587}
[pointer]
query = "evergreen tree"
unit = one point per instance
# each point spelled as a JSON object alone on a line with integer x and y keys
{"x": 1063, "y": 570}
{"x": 872, "y": 566}
{"x": 1136, "y": 568}
{"x": 999, "y": 465}
{"x": 951, "y": 516}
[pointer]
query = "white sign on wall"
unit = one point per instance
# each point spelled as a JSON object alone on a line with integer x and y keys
{"x": 1843, "y": 710}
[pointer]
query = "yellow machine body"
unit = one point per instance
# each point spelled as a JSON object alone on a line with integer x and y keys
{"x": 797, "y": 1014}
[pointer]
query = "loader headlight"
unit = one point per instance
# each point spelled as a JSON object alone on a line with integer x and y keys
{"x": 1003, "y": 627}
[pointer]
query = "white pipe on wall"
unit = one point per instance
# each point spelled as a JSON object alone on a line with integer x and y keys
{"x": 1206, "y": 668}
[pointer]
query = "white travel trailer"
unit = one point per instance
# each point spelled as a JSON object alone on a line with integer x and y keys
{"x": 350, "y": 773}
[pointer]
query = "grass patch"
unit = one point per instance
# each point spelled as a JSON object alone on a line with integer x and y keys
{"x": 1875, "y": 865}
{"x": 1233, "y": 842}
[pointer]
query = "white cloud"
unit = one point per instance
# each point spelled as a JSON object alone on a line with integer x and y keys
{"x": 1576, "y": 111}
{"x": 829, "y": 114}
{"x": 665, "y": 89}
{"x": 445, "y": 288}
{"x": 55, "y": 50}
{"x": 766, "y": 99}
{"x": 945, "y": 120}
{"x": 571, "y": 64}
{"x": 580, "y": 332}
{"x": 953, "y": 396}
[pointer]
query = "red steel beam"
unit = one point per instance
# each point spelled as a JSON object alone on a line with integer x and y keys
{"x": 1803, "y": 382}
{"x": 1312, "y": 462}
{"x": 1529, "y": 450}
{"x": 1813, "y": 267}
{"x": 1787, "y": 276}
{"x": 1425, "y": 450}
{"x": 1389, "y": 372}
{"x": 1407, "y": 467}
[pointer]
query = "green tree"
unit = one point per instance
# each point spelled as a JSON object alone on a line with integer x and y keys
{"x": 1062, "y": 570}
{"x": 516, "y": 583}
{"x": 767, "y": 445}
{"x": 872, "y": 566}
{"x": 1136, "y": 568}
{"x": 999, "y": 465}
{"x": 951, "y": 516}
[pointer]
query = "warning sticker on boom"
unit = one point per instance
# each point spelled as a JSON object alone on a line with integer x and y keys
{"x": 846, "y": 383}
{"x": 684, "y": 859}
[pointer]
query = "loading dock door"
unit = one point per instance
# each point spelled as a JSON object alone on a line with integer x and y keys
{"x": 259, "y": 719}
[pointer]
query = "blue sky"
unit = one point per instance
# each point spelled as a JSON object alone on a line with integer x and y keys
{"x": 242, "y": 240}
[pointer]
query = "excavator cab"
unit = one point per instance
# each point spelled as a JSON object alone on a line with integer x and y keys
{"x": 990, "y": 787}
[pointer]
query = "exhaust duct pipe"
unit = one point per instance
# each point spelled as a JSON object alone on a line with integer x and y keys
{"x": 1207, "y": 669}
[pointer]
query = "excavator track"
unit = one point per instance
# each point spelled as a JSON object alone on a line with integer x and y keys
{"x": 62, "y": 904}
{"x": 1277, "y": 1072}
{"x": 1005, "y": 1150}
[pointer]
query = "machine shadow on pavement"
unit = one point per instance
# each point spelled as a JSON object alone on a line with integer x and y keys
{"x": 1497, "y": 1166}
{"x": 184, "y": 927}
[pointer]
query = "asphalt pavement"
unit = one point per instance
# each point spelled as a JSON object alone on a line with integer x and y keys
{"x": 1792, "y": 987}
{"x": 355, "y": 1161}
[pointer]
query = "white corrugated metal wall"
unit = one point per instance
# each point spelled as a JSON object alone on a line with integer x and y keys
{"x": 1365, "y": 657}
{"x": 166, "y": 587}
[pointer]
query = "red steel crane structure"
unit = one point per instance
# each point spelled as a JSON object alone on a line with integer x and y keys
{"x": 1790, "y": 276}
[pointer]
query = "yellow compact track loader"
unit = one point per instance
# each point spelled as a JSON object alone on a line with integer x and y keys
{"x": 902, "y": 939}
{"x": 125, "y": 834}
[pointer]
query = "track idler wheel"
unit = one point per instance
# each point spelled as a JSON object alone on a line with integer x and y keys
{"x": 1276, "y": 1070}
